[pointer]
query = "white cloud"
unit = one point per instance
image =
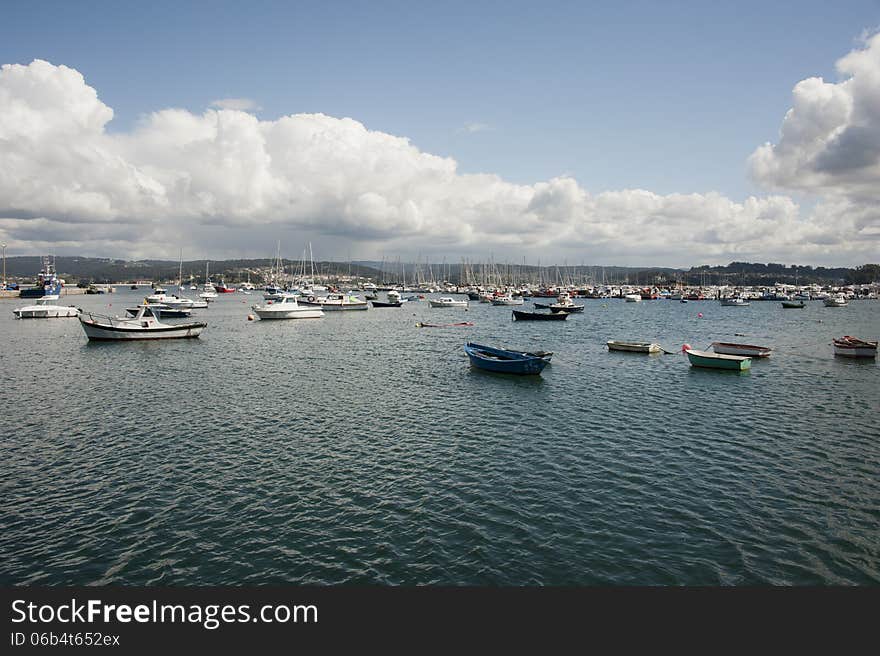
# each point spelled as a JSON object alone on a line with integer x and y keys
{"x": 225, "y": 183}
{"x": 829, "y": 143}
{"x": 237, "y": 104}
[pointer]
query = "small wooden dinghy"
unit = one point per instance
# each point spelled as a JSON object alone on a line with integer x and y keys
{"x": 853, "y": 347}
{"x": 633, "y": 347}
{"x": 709, "y": 360}
{"x": 747, "y": 350}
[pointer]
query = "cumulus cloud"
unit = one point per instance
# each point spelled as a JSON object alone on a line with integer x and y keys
{"x": 225, "y": 183}
{"x": 829, "y": 143}
{"x": 237, "y": 104}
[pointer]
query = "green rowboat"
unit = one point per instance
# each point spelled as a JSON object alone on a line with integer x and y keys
{"x": 711, "y": 360}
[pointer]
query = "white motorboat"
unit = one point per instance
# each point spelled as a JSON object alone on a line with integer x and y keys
{"x": 144, "y": 325}
{"x": 171, "y": 301}
{"x": 286, "y": 308}
{"x": 734, "y": 301}
{"x": 44, "y": 308}
{"x": 836, "y": 301}
{"x": 335, "y": 302}
{"x": 633, "y": 298}
{"x": 508, "y": 299}
{"x": 447, "y": 302}
{"x": 565, "y": 304}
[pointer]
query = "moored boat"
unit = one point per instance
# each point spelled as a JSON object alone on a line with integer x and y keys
{"x": 507, "y": 299}
{"x": 44, "y": 308}
{"x": 520, "y": 315}
{"x": 48, "y": 283}
{"x": 335, "y": 302}
{"x": 505, "y": 361}
{"x": 144, "y": 325}
{"x": 388, "y": 304}
{"x": 853, "y": 347}
{"x": 790, "y": 305}
{"x": 749, "y": 350}
{"x": 447, "y": 302}
{"x": 633, "y": 347}
{"x": 286, "y": 308}
{"x": 835, "y": 301}
{"x": 633, "y": 298}
{"x": 734, "y": 301}
{"x": 709, "y": 360}
{"x": 565, "y": 304}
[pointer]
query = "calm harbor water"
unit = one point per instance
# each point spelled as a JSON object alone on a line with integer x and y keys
{"x": 360, "y": 449}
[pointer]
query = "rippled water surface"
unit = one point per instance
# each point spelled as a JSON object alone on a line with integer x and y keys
{"x": 360, "y": 449}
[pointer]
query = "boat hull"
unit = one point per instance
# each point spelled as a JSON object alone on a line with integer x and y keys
{"x": 539, "y": 316}
{"x": 102, "y": 332}
{"x": 454, "y": 304}
{"x": 383, "y": 304}
{"x": 745, "y": 350}
{"x": 789, "y": 305}
{"x": 633, "y": 347}
{"x": 850, "y": 347}
{"x": 707, "y": 360}
{"x": 300, "y": 313}
{"x": 45, "y": 312}
{"x": 505, "y": 362}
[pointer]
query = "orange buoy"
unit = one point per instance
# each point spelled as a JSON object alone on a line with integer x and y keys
{"x": 250, "y": 317}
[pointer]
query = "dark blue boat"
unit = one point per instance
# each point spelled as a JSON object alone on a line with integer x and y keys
{"x": 506, "y": 362}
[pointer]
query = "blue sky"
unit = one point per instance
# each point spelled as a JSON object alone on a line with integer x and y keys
{"x": 671, "y": 97}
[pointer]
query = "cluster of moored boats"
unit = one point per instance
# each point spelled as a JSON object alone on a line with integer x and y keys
{"x": 143, "y": 322}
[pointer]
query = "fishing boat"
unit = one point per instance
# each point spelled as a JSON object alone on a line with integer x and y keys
{"x": 734, "y": 301}
{"x": 286, "y": 308}
{"x": 709, "y": 360}
{"x": 790, "y": 305}
{"x": 633, "y": 347}
{"x": 565, "y": 304}
{"x": 505, "y": 361}
{"x": 48, "y": 283}
{"x": 144, "y": 325}
{"x": 853, "y": 347}
{"x": 386, "y": 304}
{"x": 633, "y": 298}
{"x": 447, "y": 302}
{"x": 749, "y": 350}
{"x": 836, "y": 301}
{"x": 520, "y": 315}
{"x": 335, "y": 302}
{"x": 44, "y": 308}
{"x": 222, "y": 288}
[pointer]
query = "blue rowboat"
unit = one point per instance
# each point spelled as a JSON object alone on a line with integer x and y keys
{"x": 506, "y": 362}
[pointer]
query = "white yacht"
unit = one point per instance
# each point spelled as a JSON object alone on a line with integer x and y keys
{"x": 286, "y": 308}
{"x": 507, "y": 299}
{"x": 335, "y": 302}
